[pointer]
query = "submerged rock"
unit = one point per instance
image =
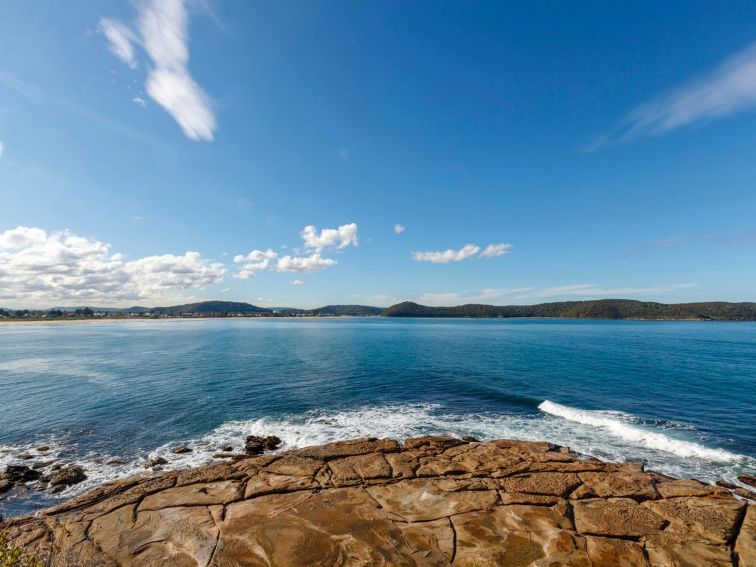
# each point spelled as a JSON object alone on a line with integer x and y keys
{"x": 431, "y": 501}
{"x": 181, "y": 450}
{"x": 748, "y": 479}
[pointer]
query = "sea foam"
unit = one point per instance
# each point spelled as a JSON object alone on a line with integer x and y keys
{"x": 608, "y": 435}
{"x": 609, "y": 423}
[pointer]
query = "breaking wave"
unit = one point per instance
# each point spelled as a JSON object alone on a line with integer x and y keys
{"x": 610, "y": 424}
{"x": 608, "y": 435}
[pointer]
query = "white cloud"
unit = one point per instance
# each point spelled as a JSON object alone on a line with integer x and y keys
{"x": 467, "y": 251}
{"x": 330, "y": 237}
{"x": 2, "y": 148}
{"x": 163, "y": 32}
{"x": 41, "y": 267}
{"x": 493, "y": 250}
{"x": 728, "y": 89}
{"x": 399, "y": 228}
{"x": 139, "y": 101}
{"x": 120, "y": 40}
{"x": 299, "y": 262}
{"x": 446, "y": 256}
{"x": 304, "y": 264}
{"x": 296, "y": 282}
{"x": 255, "y": 261}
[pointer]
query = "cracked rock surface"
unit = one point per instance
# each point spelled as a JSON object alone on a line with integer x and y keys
{"x": 430, "y": 501}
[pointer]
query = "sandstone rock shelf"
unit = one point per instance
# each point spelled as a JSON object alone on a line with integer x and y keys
{"x": 430, "y": 501}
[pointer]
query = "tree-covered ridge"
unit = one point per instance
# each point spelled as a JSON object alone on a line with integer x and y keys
{"x": 597, "y": 309}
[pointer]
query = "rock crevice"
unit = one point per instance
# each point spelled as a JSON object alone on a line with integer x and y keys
{"x": 430, "y": 501}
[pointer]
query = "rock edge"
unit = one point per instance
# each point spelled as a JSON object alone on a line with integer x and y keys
{"x": 429, "y": 501}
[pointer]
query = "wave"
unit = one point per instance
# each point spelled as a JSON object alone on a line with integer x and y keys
{"x": 609, "y": 422}
{"x": 609, "y": 435}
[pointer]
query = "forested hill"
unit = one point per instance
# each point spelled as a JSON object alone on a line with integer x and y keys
{"x": 598, "y": 309}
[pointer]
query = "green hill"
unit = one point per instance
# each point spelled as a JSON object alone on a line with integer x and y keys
{"x": 348, "y": 310}
{"x": 211, "y": 307}
{"x": 598, "y": 309}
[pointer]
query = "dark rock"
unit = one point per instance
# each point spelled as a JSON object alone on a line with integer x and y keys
{"x": 271, "y": 442}
{"x": 26, "y": 457}
{"x": 72, "y": 474}
{"x": 42, "y": 464}
{"x": 56, "y": 467}
{"x": 155, "y": 462}
{"x": 224, "y": 455}
{"x": 469, "y": 439}
{"x": 181, "y": 450}
{"x": 748, "y": 479}
{"x": 227, "y": 449}
{"x": 255, "y": 444}
{"x": 5, "y": 484}
{"x": 115, "y": 461}
{"x": 157, "y": 469}
{"x": 20, "y": 473}
{"x": 725, "y": 484}
{"x": 43, "y": 448}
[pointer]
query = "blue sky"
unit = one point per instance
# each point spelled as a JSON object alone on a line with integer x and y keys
{"x": 155, "y": 152}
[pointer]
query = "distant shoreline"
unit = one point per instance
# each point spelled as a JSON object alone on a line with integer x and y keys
{"x": 600, "y": 309}
{"x": 419, "y": 317}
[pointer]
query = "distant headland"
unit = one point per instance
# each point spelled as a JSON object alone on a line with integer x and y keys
{"x": 610, "y": 309}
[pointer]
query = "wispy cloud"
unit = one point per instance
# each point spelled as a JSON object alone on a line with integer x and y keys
{"x": 528, "y": 294}
{"x": 728, "y": 89}
{"x": 399, "y": 228}
{"x": 120, "y": 41}
{"x": 593, "y": 290}
{"x": 139, "y": 101}
{"x": 162, "y": 30}
{"x": 2, "y": 148}
{"x": 467, "y": 251}
{"x": 486, "y": 295}
{"x": 42, "y": 97}
{"x": 493, "y": 250}
{"x": 296, "y": 282}
{"x": 698, "y": 241}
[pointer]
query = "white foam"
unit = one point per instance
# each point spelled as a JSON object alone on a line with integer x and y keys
{"x": 607, "y": 435}
{"x": 633, "y": 434}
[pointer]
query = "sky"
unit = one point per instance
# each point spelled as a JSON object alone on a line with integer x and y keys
{"x": 310, "y": 153}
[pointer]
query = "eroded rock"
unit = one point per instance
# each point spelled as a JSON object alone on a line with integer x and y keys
{"x": 430, "y": 501}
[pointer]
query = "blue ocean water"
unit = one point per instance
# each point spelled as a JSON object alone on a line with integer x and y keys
{"x": 679, "y": 395}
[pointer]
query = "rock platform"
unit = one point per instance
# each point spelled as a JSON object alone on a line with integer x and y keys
{"x": 429, "y": 501}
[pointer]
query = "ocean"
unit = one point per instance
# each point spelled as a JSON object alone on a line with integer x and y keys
{"x": 681, "y": 396}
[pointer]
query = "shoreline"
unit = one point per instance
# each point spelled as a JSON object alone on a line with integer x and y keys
{"x": 429, "y": 496}
{"x": 393, "y": 318}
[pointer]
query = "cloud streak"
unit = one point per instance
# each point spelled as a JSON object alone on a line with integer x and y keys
{"x": 162, "y": 31}
{"x": 44, "y": 267}
{"x": 467, "y": 251}
{"x": 504, "y": 296}
{"x": 728, "y": 89}
{"x": 593, "y": 290}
